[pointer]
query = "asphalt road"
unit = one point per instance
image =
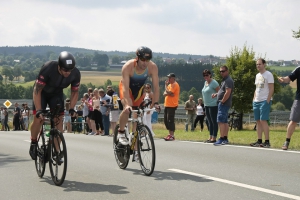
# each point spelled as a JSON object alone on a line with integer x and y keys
{"x": 184, "y": 170}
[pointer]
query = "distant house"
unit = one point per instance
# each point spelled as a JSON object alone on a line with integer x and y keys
{"x": 189, "y": 62}
{"x": 118, "y": 65}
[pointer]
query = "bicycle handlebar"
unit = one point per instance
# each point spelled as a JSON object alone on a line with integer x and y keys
{"x": 49, "y": 113}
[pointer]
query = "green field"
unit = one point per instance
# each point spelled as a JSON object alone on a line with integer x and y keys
{"x": 95, "y": 77}
{"x": 281, "y": 68}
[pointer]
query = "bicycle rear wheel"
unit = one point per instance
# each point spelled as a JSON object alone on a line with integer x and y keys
{"x": 122, "y": 153}
{"x": 146, "y": 149}
{"x": 58, "y": 157}
{"x": 40, "y": 162}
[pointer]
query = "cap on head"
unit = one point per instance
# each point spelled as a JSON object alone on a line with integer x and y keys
{"x": 171, "y": 75}
{"x": 66, "y": 60}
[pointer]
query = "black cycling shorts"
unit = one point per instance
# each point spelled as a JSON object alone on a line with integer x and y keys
{"x": 51, "y": 100}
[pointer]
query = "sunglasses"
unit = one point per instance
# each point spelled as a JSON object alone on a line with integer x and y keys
{"x": 144, "y": 59}
{"x": 222, "y": 71}
{"x": 147, "y": 87}
{"x": 66, "y": 70}
{"x": 205, "y": 75}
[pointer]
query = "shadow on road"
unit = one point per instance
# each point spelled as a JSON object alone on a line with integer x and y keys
{"x": 70, "y": 186}
{"x": 6, "y": 159}
{"x": 159, "y": 176}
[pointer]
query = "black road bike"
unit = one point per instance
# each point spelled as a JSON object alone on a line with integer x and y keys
{"x": 52, "y": 148}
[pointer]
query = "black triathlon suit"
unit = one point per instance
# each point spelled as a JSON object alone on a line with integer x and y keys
{"x": 54, "y": 83}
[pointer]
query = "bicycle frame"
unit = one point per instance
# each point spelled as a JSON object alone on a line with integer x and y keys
{"x": 138, "y": 121}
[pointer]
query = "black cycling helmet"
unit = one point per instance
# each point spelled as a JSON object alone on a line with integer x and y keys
{"x": 66, "y": 60}
{"x": 144, "y": 52}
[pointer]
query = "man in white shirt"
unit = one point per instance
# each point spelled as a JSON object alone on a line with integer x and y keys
{"x": 262, "y": 102}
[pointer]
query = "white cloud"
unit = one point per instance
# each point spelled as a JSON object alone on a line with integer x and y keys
{"x": 190, "y": 26}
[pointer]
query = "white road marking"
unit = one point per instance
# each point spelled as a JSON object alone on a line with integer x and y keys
{"x": 238, "y": 184}
{"x": 246, "y": 147}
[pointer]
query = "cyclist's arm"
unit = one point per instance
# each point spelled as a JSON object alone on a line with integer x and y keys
{"x": 37, "y": 91}
{"x": 125, "y": 81}
{"x": 75, "y": 90}
{"x": 154, "y": 76}
{"x": 74, "y": 97}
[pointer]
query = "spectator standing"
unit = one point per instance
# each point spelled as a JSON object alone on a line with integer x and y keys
{"x": 148, "y": 97}
{"x": 79, "y": 118}
{"x": 2, "y": 118}
{"x": 262, "y": 101}
{"x": 73, "y": 120}
{"x": 210, "y": 88}
{"x": 295, "y": 114}
{"x": 114, "y": 113}
{"x": 85, "y": 110}
{"x": 17, "y": 116}
{"x": 97, "y": 113}
{"x": 224, "y": 98}
{"x": 6, "y": 120}
{"x": 89, "y": 118}
{"x": 200, "y": 114}
{"x": 190, "y": 107}
{"x": 105, "y": 102}
{"x": 171, "y": 94}
{"x": 25, "y": 116}
{"x": 91, "y": 115}
{"x": 67, "y": 116}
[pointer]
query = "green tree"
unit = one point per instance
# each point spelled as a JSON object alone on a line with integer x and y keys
{"x": 17, "y": 72}
{"x": 6, "y": 71}
{"x": 195, "y": 93}
{"x": 11, "y": 78}
{"x": 278, "y": 106}
{"x": 242, "y": 69}
{"x": 82, "y": 89}
{"x": 296, "y": 34}
{"x": 115, "y": 59}
{"x": 107, "y": 82}
{"x": 184, "y": 96}
{"x": 285, "y": 96}
{"x": 28, "y": 92}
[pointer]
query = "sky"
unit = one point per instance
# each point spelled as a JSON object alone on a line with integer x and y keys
{"x": 201, "y": 27}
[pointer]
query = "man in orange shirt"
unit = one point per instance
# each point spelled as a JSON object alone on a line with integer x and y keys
{"x": 171, "y": 95}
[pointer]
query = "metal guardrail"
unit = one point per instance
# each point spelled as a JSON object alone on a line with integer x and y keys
{"x": 276, "y": 117}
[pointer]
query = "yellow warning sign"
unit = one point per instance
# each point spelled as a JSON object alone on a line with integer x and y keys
{"x": 7, "y": 103}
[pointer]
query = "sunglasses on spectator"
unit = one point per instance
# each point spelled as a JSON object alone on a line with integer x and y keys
{"x": 144, "y": 59}
{"x": 66, "y": 70}
{"x": 204, "y": 75}
{"x": 222, "y": 71}
{"x": 147, "y": 87}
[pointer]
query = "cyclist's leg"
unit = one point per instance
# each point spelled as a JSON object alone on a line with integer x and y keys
{"x": 37, "y": 123}
{"x": 57, "y": 99}
{"x": 35, "y": 128}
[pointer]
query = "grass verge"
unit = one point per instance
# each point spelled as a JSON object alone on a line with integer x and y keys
{"x": 243, "y": 137}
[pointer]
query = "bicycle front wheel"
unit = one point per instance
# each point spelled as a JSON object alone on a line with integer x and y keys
{"x": 122, "y": 153}
{"x": 40, "y": 162}
{"x": 58, "y": 157}
{"x": 146, "y": 150}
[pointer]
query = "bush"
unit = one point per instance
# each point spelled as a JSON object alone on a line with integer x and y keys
{"x": 278, "y": 106}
